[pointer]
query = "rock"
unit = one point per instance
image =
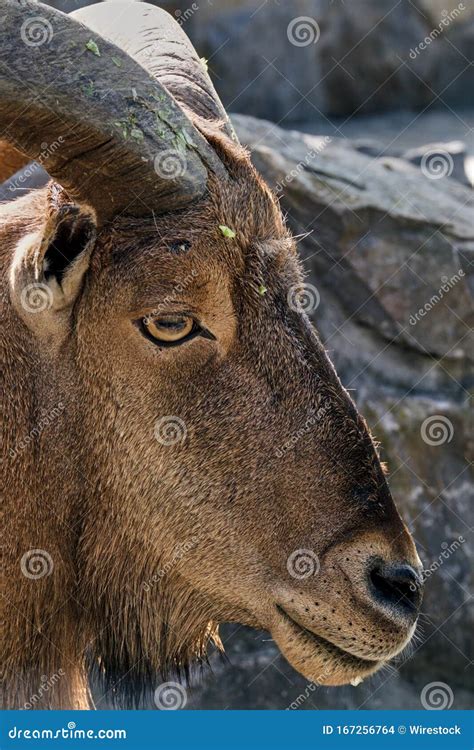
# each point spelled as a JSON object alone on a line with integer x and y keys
{"x": 452, "y": 63}
{"x": 359, "y": 211}
{"x": 302, "y": 59}
{"x": 427, "y": 444}
{"x": 381, "y": 242}
{"x": 440, "y": 160}
{"x": 436, "y": 8}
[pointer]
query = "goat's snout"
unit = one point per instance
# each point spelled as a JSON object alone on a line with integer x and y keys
{"x": 397, "y": 586}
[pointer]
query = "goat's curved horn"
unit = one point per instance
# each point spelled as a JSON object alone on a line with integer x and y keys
{"x": 95, "y": 119}
{"x": 154, "y": 39}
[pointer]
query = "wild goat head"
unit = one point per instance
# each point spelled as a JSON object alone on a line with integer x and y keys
{"x": 206, "y": 464}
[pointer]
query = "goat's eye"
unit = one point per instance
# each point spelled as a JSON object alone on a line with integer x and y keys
{"x": 170, "y": 329}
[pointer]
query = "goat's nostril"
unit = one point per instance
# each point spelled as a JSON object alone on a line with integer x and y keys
{"x": 397, "y": 585}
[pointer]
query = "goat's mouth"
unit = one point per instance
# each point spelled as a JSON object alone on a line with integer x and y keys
{"x": 317, "y": 658}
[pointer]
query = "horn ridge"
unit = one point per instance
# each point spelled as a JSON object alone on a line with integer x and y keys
{"x": 154, "y": 39}
{"x": 96, "y": 120}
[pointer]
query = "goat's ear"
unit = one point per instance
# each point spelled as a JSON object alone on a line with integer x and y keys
{"x": 49, "y": 264}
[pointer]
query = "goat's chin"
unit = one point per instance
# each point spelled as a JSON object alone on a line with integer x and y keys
{"x": 319, "y": 660}
{"x": 324, "y": 668}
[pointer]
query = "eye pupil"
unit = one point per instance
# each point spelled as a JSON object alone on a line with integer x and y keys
{"x": 176, "y": 324}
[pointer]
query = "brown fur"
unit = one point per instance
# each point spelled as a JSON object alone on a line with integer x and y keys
{"x": 11, "y": 160}
{"x": 114, "y": 508}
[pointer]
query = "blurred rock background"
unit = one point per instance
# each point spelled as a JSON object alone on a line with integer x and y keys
{"x": 366, "y": 133}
